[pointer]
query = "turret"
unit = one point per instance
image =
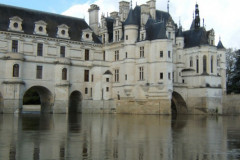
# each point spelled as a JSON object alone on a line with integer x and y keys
{"x": 131, "y": 28}
{"x": 180, "y": 38}
{"x": 93, "y": 17}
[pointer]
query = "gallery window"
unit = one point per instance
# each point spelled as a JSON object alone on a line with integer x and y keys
{"x": 64, "y": 74}
{"x": 14, "y": 46}
{"x": 86, "y": 54}
{"x": 62, "y": 51}
{"x": 86, "y": 75}
{"x": 116, "y": 76}
{"x": 39, "y": 72}
{"x": 15, "y": 70}
{"x": 141, "y": 73}
{"x": 39, "y": 49}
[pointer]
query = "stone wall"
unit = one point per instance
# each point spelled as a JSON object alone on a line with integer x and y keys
{"x": 231, "y": 104}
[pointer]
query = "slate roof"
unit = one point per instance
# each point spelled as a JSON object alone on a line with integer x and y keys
{"x": 220, "y": 45}
{"x": 53, "y": 21}
{"x": 108, "y": 72}
{"x": 195, "y": 37}
{"x": 155, "y": 31}
{"x": 179, "y": 32}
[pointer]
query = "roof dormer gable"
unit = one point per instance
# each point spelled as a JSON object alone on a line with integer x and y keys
{"x": 62, "y": 31}
{"x": 15, "y": 24}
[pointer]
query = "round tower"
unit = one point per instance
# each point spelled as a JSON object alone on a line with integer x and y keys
{"x": 131, "y": 28}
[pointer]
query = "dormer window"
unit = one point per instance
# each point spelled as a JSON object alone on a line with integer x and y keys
{"x": 40, "y": 28}
{"x": 15, "y": 24}
{"x": 87, "y": 35}
{"x": 63, "y": 31}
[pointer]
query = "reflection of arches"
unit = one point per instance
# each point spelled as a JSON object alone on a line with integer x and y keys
{"x": 75, "y": 102}
{"x": 179, "y": 106}
{"x": 46, "y": 98}
{"x": 1, "y": 103}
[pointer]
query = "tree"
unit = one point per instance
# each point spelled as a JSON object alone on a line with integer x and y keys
{"x": 233, "y": 71}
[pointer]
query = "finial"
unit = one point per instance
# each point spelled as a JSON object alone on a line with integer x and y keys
{"x": 219, "y": 38}
{"x": 203, "y": 23}
{"x": 193, "y": 14}
{"x": 168, "y": 6}
{"x": 131, "y": 4}
{"x": 179, "y": 21}
{"x": 136, "y": 3}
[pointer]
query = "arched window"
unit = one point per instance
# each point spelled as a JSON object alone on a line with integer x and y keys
{"x": 205, "y": 64}
{"x": 197, "y": 64}
{"x": 15, "y": 70}
{"x": 211, "y": 64}
{"x": 64, "y": 74}
{"x": 191, "y": 62}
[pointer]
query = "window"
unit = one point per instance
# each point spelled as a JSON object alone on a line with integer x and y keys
{"x": 169, "y": 35}
{"x": 191, "y": 62}
{"x": 211, "y": 64}
{"x": 126, "y": 55}
{"x": 15, "y": 70}
{"x": 103, "y": 38}
{"x": 169, "y": 76}
{"x": 141, "y": 52}
{"x": 116, "y": 36}
{"x": 179, "y": 73}
{"x": 173, "y": 77}
{"x": 126, "y": 37}
{"x": 183, "y": 81}
{"x": 161, "y": 54}
{"x": 116, "y": 75}
{"x": 86, "y": 90}
{"x": 116, "y": 55}
{"x": 169, "y": 54}
{"x": 212, "y": 42}
{"x": 39, "y": 72}
{"x": 161, "y": 75}
{"x": 92, "y": 77}
{"x": 104, "y": 55}
{"x": 64, "y": 74}
{"x": 86, "y": 75}
{"x": 14, "y": 46}
{"x": 86, "y": 55}
{"x": 142, "y": 36}
{"x": 62, "y": 51}
{"x": 125, "y": 77}
{"x": 107, "y": 89}
{"x": 107, "y": 79}
{"x": 39, "y": 49}
{"x": 218, "y": 62}
{"x": 141, "y": 73}
{"x": 197, "y": 65}
{"x": 205, "y": 64}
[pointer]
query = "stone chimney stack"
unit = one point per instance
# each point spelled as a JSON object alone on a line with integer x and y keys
{"x": 145, "y": 11}
{"x": 93, "y": 17}
{"x": 124, "y": 8}
{"x": 152, "y": 5}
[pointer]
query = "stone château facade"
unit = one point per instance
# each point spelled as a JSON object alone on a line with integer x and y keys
{"x": 137, "y": 61}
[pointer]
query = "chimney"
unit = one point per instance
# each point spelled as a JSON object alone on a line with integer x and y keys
{"x": 123, "y": 10}
{"x": 152, "y": 5}
{"x": 93, "y": 17}
{"x": 145, "y": 11}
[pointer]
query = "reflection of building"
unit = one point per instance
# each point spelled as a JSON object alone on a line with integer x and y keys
{"x": 113, "y": 137}
{"x": 137, "y": 61}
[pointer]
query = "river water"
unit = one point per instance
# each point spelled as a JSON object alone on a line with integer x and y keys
{"x": 118, "y": 137}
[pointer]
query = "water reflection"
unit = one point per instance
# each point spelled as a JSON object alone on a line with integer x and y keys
{"x": 118, "y": 137}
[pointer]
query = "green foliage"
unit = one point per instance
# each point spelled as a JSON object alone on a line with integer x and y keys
{"x": 233, "y": 78}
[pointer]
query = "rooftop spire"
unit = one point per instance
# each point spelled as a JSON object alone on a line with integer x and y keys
{"x": 197, "y": 17}
{"x": 168, "y": 6}
{"x": 131, "y": 4}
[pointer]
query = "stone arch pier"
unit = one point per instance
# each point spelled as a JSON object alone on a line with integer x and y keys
{"x": 178, "y": 104}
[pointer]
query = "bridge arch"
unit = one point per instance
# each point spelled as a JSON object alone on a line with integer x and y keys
{"x": 46, "y": 98}
{"x": 75, "y": 102}
{"x": 178, "y": 105}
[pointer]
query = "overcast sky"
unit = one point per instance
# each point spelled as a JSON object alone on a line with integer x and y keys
{"x": 221, "y": 15}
